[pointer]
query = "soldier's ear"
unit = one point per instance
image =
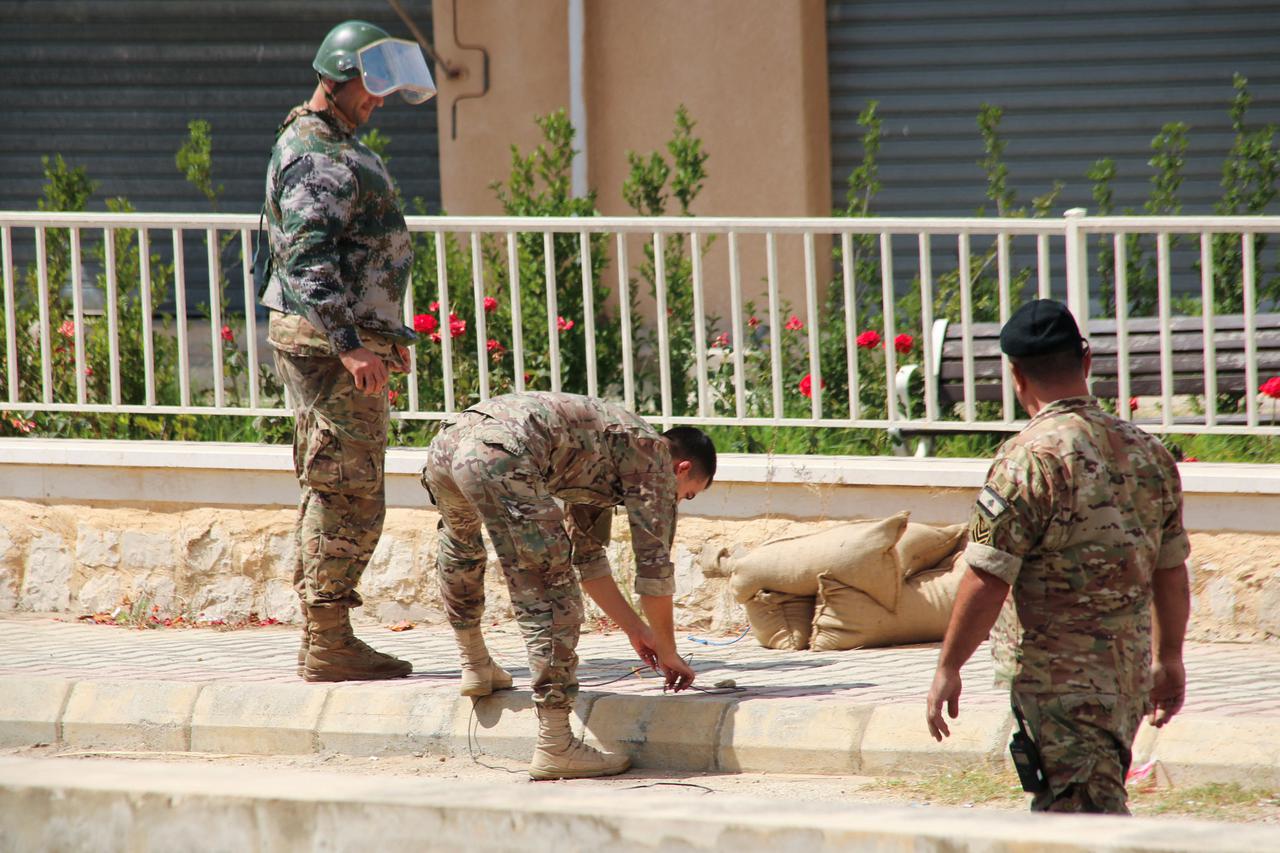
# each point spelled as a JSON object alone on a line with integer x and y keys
{"x": 681, "y": 466}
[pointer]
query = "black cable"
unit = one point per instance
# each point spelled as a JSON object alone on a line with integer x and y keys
{"x": 703, "y": 788}
{"x": 473, "y": 744}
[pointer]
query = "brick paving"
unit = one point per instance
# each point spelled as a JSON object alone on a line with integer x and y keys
{"x": 1224, "y": 679}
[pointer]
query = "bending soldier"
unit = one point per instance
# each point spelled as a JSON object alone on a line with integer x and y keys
{"x": 340, "y": 260}
{"x": 1082, "y": 516}
{"x": 503, "y": 463}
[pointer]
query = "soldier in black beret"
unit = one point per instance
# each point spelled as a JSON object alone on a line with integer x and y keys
{"x": 1081, "y": 516}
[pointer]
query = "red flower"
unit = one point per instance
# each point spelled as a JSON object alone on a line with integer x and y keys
{"x": 490, "y": 303}
{"x": 563, "y": 324}
{"x": 904, "y": 343}
{"x": 227, "y": 334}
{"x": 1191, "y": 459}
{"x": 392, "y": 396}
{"x": 870, "y": 339}
{"x": 527, "y": 378}
{"x": 495, "y": 346}
{"x": 434, "y": 307}
{"x": 722, "y": 339}
{"x": 1133, "y": 404}
{"x": 67, "y": 329}
{"x": 1271, "y": 388}
{"x": 806, "y": 385}
{"x": 425, "y": 323}
{"x": 753, "y": 322}
{"x": 22, "y": 425}
{"x": 793, "y": 324}
{"x": 457, "y": 327}
{"x": 435, "y": 337}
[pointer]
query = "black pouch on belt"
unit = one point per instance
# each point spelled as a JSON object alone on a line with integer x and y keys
{"x": 1026, "y": 758}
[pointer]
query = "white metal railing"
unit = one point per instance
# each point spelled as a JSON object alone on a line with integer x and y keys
{"x": 746, "y": 378}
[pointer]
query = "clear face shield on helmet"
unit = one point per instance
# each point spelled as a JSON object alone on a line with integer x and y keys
{"x": 395, "y": 65}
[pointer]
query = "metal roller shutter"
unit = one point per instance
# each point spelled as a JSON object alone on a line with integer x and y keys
{"x": 1078, "y": 82}
{"x": 111, "y": 85}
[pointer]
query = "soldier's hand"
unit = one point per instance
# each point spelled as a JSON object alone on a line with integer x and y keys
{"x": 945, "y": 689}
{"x": 368, "y": 370}
{"x": 402, "y": 353}
{"x": 678, "y": 674}
{"x": 1168, "y": 690}
{"x": 643, "y": 642}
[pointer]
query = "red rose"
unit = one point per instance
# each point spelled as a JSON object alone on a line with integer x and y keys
{"x": 563, "y": 324}
{"x": 1133, "y": 404}
{"x": 67, "y": 329}
{"x": 806, "y": 385}
{"x": 1271, "y": 388}
{"x": 425, "y": 323}
{"x": 227, "y": 334}
{"x": 793, "y": 324}
{"x": 392, "y": 396}
{"x": 753, "y": 322}
{"x": 722, "y": 339}
{"x": 457, "y": 328}
{"x": 490, "y": 303}
{"x": 903, "y": 343}
{"x": 870, "y": 339}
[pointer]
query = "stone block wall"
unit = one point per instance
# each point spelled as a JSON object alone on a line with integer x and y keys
{"x": 231, "y": 565}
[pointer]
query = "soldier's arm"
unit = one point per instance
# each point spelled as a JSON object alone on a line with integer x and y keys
{"x": 1171, "y": 603}
{"x": 317, "y": 197}
{"x": 978, "y": 603}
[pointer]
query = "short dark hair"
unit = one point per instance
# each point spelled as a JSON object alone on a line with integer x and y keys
{"x": 694, "y": 445}
{"x": 1051, "y": 366}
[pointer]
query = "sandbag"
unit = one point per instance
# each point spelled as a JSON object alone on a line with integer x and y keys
{"x": 859, "y": 555}
{"x": 924, "y": 546}
{"x": 846, "y": 618}
{"x": 780, "y": 620}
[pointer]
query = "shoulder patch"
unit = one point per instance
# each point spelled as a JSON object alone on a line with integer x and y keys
{"x": 991, "y": 504}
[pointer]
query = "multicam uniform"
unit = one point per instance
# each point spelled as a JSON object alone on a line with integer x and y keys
{"x": 1078, "y": 511}
{"x": 340, "y": 265}
{"x": 502, "y": 463}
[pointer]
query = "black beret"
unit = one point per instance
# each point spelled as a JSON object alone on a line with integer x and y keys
{"x": 1039, "y": 328}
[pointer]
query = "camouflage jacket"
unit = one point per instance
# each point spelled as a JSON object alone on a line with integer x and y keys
{"x": 595, "y": 455}
{"x": 340, "y": 250}
{"x": 1078, "y": 511}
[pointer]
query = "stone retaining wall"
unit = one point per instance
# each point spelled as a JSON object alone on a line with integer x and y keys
{"x": 221, "y": 564}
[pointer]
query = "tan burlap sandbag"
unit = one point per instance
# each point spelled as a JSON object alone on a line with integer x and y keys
{"x": 860, "y": 555}
{"x": 780, "y": 620}
{"x": 846, "y": 618}
{"x": 923, "y": 546}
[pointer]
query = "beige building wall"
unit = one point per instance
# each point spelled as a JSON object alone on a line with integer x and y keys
{"x": 753, "y": 74}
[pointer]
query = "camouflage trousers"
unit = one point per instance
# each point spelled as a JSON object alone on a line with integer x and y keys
{"x": 1084, "y": 741}
{"x": 339, "y": 453}
{"x": 477, "y": 477}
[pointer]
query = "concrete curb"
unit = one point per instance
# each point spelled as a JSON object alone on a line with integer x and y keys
{"x": 115, "y": 805}
{"x": 688, "y": 733}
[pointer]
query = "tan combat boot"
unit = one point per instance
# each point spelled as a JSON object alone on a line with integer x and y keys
{"x": 480, "y": 674}
{"x": 559, "y": 755}
{"x": 334, "y": 653}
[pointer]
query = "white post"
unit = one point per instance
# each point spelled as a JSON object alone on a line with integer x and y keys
{"x": 577, "y": 96}
{"x": 1077, "y": 269}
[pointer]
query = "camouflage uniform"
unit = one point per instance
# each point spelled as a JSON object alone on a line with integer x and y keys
{"x": 1078, "y": 511}
{"x": 340, "y": 266}
{"x": 502, "y": 464}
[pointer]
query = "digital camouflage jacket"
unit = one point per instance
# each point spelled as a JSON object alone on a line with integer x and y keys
{"x": 340, "y": 249}
{"x": 1079, "y": 509}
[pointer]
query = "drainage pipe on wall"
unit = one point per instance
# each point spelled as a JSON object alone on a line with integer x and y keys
{"x": 577, "y": 96}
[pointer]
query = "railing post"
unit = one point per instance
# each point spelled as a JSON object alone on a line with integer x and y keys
{"x": 1077, "y": 268}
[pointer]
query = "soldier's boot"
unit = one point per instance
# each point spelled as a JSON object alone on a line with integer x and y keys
{"x": 481, "y": 675}
{"x": 560, "y": 755}
{"x": 334, "y": 653}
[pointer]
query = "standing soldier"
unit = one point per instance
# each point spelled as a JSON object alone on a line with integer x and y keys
{"x": 1082, "y": 515}
{"x": 503, "y": 463}
{"x": 340, "y": 258}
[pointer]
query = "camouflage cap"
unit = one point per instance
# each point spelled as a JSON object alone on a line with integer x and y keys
{"x": 1040, "y": 327}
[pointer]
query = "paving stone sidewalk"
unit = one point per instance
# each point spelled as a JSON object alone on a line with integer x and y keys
{"x": 1225, "y": 680}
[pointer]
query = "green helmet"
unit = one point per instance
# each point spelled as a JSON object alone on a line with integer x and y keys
{"x": 336, "y": 58}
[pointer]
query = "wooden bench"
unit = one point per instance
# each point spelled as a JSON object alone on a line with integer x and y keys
{"x": 1187, "y": 356}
